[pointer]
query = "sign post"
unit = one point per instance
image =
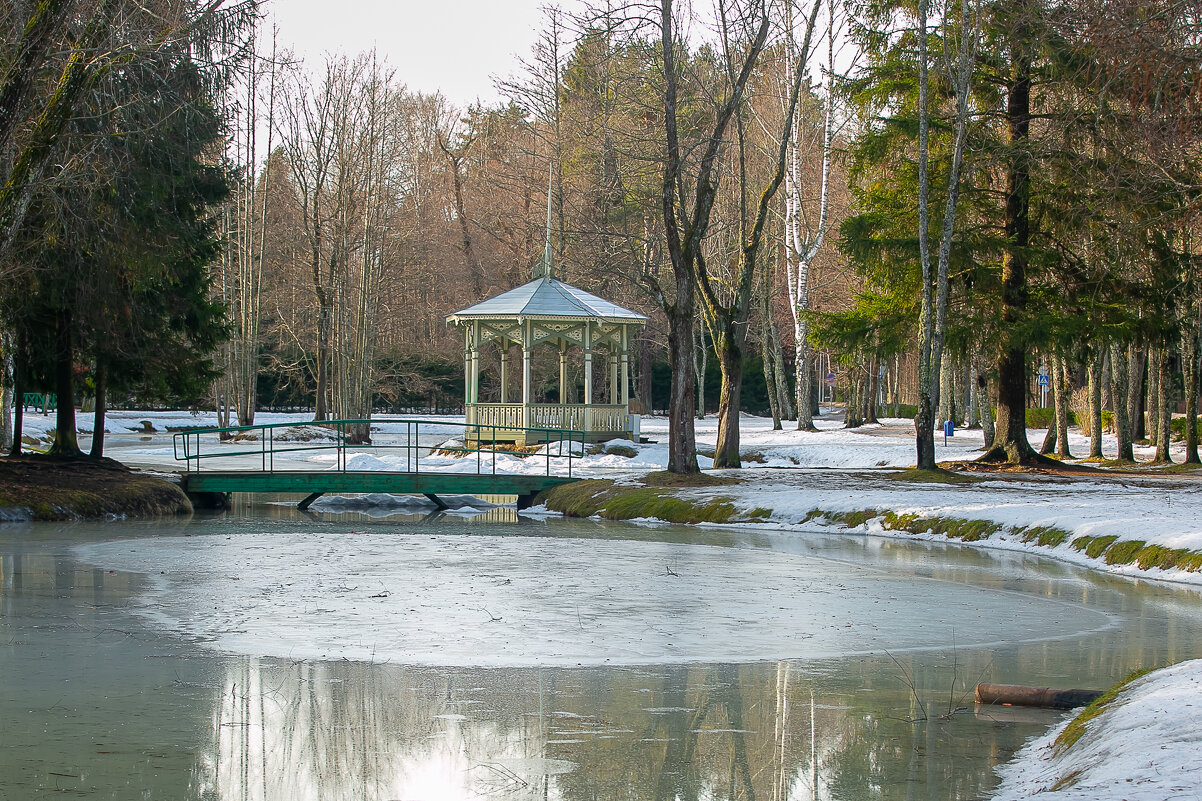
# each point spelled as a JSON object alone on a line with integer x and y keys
{"x": 1044, "y": 381}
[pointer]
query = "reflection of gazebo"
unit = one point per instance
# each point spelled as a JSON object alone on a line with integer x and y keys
{"x": 550, "y": 312}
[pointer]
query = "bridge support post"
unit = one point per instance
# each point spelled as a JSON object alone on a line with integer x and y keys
{"x": 308, "y": 501}
{"x": 436, "y": 500}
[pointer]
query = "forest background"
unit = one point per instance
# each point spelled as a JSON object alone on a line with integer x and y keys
{"x": 191, "y": 216}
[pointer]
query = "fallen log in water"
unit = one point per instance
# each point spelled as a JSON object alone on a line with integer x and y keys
{"x": 1018, "y": 695}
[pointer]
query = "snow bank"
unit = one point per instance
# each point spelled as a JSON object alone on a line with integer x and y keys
{"x": 1144, "y": 747}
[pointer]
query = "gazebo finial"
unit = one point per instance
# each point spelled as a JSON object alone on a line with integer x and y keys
{"x": 548, "y": 264}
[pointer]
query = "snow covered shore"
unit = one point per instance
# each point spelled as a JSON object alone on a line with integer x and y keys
{"x": 1144, "y": 746}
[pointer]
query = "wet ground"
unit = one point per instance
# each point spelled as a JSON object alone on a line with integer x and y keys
{"x": 244, "y": 656}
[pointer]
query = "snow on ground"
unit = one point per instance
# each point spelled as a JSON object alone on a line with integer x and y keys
{"x": 464, "y": 599}
{"x": 1155, "y": 510}
{"x": 1144, "y": 747}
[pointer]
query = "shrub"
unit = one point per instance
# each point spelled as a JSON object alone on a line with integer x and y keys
{"x": 1044, "y": 417}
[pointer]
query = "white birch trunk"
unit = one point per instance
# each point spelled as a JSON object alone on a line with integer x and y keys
{"x": 801, "y": 248}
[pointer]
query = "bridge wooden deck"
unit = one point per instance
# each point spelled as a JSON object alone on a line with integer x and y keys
{"x": 227, "y": 450}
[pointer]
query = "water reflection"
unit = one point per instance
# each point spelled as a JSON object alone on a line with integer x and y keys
{"x": 770, "y": 731}
{"x": 104, "y": 705}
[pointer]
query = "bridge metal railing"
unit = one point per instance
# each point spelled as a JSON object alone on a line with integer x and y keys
{"x": 197, "y": 446}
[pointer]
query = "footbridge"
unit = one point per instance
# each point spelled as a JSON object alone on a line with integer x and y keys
{"x": 398, "y": 456}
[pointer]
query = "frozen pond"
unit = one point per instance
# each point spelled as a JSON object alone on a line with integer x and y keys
{"x": 267, "y": 654}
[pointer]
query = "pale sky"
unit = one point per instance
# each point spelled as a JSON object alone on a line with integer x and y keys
{"x": 455, "y": 46}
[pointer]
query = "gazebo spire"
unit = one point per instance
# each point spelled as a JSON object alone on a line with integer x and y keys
{"x": 548, "y": 262}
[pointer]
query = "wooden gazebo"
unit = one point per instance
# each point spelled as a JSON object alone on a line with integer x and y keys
{"x": 548, "y": 312}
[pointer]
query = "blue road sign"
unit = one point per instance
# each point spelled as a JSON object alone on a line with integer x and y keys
{"x": 1045, "y": 381}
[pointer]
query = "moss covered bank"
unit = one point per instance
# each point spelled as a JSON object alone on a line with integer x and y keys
{"x": 46, "y": 488}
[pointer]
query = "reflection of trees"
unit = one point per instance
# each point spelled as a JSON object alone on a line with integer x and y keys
{"x": 335, "y": 731}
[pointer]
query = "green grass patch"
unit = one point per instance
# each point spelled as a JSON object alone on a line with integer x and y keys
{"x": 1158, "y": 556}
{"x": 1124, "y": 553}
{"x": 760, "y": 514}
{"x": 937, "y": 476}
{"x": 851, "y": 519}
{"x": 664, "y": 478}
{"x": 1144, "y": 555}
{"x": 951, "y": 527}
{"x": 1093, "y": 546}
{"x": 1076, "y": 729}
{"x": 1049, "y": 536}
{"x": 602, "y": 497}
{"x": 1180, "y": 468}
{"x": 622, "y": 450}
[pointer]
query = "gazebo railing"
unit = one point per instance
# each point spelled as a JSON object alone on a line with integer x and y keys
{"x": 571, "y": 416}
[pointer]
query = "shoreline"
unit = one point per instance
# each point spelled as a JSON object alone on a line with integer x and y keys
{"x": 996, "y": 512}
{"x": 47, "y": 489}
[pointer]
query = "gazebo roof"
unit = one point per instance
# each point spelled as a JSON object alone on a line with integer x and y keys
{"x": 548, "y": 298}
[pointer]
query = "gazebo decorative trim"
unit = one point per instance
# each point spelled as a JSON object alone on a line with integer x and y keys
{"x": 547, "y": 311}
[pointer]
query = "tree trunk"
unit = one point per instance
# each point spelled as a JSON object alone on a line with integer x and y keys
{"x": 1137, "y": 361}
{"x": 1094, "y": 375}
{"x": 730, "y": 362}
{"x": 1120, "y": 386}
{"x": 971, "y": 402}
{"x": 1010, "y": 438}
{"x": 700, "y": 367}
{"x": 1049, "y": 437}
{"x": 985, "y": 398}
{"x": 870, "y": 393}
{"x": 1155, "y": 358}
{"x": 896, "y": 386}
{"x": 65, "y": 441}
{"x": 321, "y": 404}
{"x": 1062, "y": 386}
{"x": 18, "y": 406}
{"x": 769, "y": 366}
{"x": 1189, "y": 359}
{"x": 682, "y": 438}
{"x": 1164, "y": 414}
{"x": 97, "y": 450}
{"x": 6, "y": 391}
{"x": 804, "y": 386}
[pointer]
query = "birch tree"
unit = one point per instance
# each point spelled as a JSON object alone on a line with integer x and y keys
{"x": 933, "y": 314}
{"x": 804, "y": 236}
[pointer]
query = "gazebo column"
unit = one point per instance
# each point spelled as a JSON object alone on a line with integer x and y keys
{"x": 563, "y": 375}
{"x": 625, "y": 397}
{"x": 468, "y": 411}
{"x": 527, "y": 348}
{"x": 588, "y": 377}
{"x": 474, "y": 393}
{"x": 613, "y": 376}
{"x": 504, "y": 345}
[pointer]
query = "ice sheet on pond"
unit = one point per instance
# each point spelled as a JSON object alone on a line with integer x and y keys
{"x": 513, "y": 601}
